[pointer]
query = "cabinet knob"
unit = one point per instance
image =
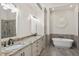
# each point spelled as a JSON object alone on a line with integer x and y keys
{"x": 21, "y": 54}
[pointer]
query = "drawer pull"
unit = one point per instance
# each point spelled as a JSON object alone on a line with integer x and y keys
{"x": 23, "y": 54}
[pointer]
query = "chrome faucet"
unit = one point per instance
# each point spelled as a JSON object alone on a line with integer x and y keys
{"x": 10, "y": 42}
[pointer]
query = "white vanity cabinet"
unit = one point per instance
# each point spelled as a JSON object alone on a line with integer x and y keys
{"x": 19, "y": 53}
{"x": 24, "y": 52}
{"x": 40, "y": 46}
{"x": 35, "y": 48}
{"x": 27, "y": 51}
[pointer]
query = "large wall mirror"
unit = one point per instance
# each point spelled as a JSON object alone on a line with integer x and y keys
{"x": 7, "y": 20}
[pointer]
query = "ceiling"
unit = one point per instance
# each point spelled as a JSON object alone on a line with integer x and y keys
{"x": 53, "y": 5}
{"x": 47, "y": 5}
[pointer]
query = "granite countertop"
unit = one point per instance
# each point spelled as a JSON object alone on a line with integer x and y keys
{"x": 26, "y": 41}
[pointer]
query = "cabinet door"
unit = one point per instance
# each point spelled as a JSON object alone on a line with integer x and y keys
{"x": 24, "y": 52}
{"x": 39, "y": 46}
{"x": 27, "y": 50}
{"x": 35, "y": 49}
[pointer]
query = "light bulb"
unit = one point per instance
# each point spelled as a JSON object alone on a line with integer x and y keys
{"x": 2, "y": 4}
{"x": 4, "y": 8}
{"x": 13, "y": 11}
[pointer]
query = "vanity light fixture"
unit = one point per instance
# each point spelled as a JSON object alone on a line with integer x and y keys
{"x": 6, "y": 5}
{"x": 5, "y": 8}
{"x": 14, "y": 10}
{"x": 34, "y": 18}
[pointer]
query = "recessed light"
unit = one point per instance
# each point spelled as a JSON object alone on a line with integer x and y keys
{"x": 70, "y": 6}
{"x": 13, "y": 11}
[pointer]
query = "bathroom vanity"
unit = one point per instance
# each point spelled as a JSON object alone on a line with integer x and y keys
{"x": 31, "y": 46}
{"x": 12, "y": 25}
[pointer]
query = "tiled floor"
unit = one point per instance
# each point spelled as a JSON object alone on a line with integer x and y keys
{"x": 52, "y": 51}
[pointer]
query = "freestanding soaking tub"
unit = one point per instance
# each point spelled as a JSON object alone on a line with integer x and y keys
{"x": 62, "y": 42}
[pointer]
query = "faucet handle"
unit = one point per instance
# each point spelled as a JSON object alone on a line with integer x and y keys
{"x": 4, "y": 44}
{"x": 12, "y": 41}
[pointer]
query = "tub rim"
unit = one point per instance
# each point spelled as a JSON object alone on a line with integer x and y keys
{"x": 63, "y": 39}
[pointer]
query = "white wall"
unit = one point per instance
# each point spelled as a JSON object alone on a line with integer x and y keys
{"x": 76, "y": 20}
{"x": 70, "y": 18}
{"x": 23, "y": 23}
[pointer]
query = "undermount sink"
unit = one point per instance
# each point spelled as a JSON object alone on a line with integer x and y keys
{"x": 11, "y": 48}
